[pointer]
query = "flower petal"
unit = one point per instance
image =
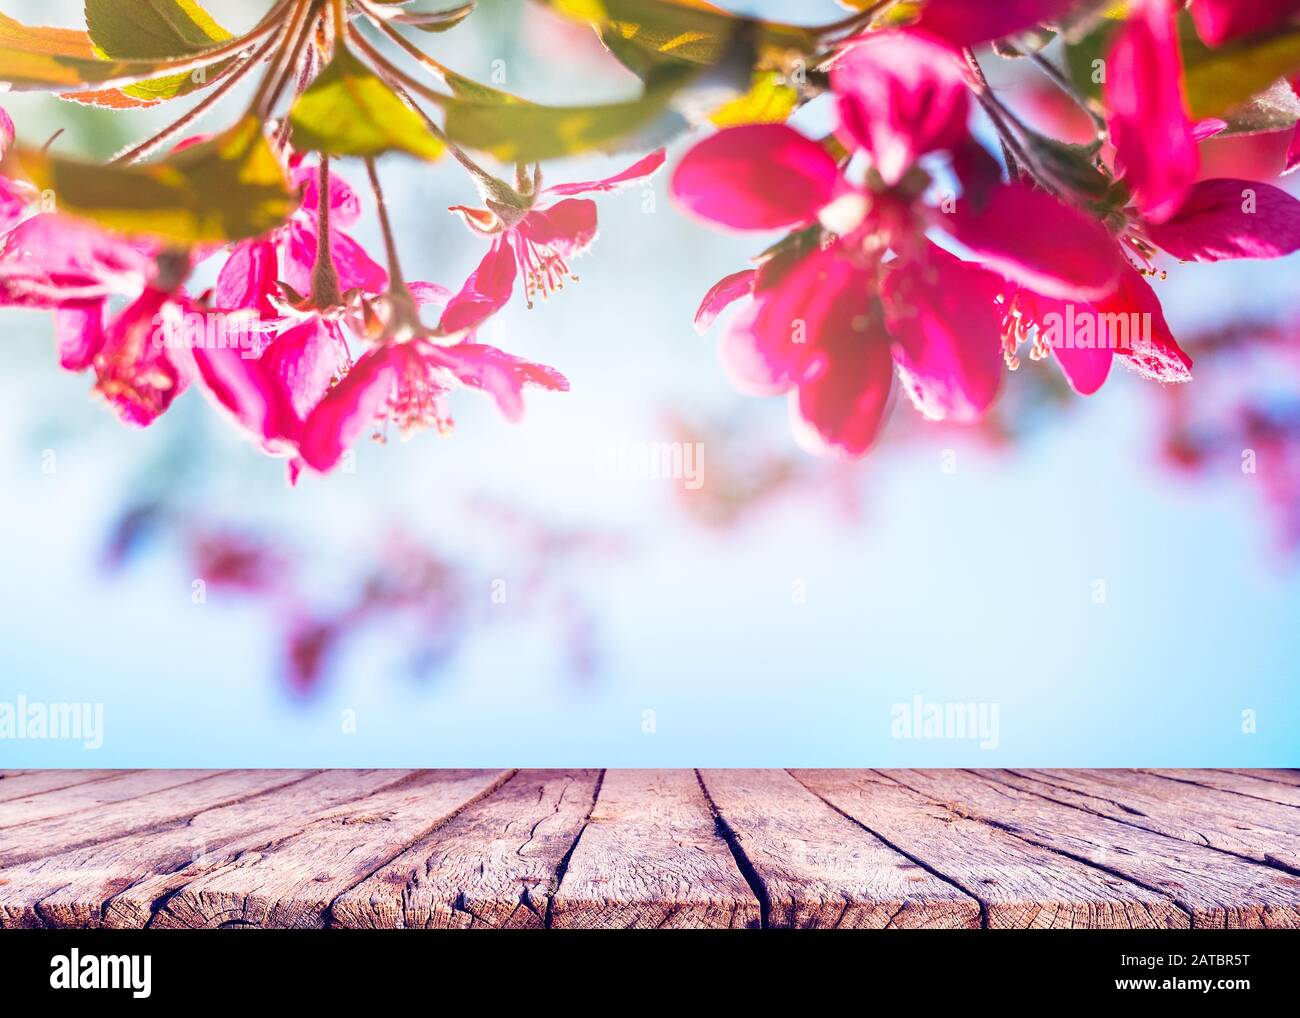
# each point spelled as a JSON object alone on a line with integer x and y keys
{"x": 901, "y": 95}
{"x": 349, "y": 408}
{"x": 801, "y": 301}
{"x": 840, "y": 405}
{"x": 248, "y": 278}
{"x": 1086, "y": 369}
{"x": 495, "y": 372}
{"x": 637, "y": 171}
{"x": 947, "y": 327}
{"x": 962, "y": 23}
{"x": 567, "y": 227}
{"x": 249, "y": 390}
{"x": 132, "y": 368}
{"x": 485, "y": 292}
{"x": 1149, "y": 126}
{"x": 305, "y": 360}
{"x": 1220, "y": 21}
{"x": 1156, "y": 355}
{"x": 1033, "y": 239}
{"x": 1226, "y": 218}
{"x": 723, "y": 294}
{"x": 79, "y": 330}
{"x": 756, "y": 177}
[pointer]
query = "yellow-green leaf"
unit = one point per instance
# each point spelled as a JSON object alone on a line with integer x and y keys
{"x": 688, "y": 31}
{"x": 224, "y": 189}
{"x": 349, "y": 111}
{"x": 152, "y": 30}
{"x": 770, "y": 100}
{"x": 1221, "y": 79}
{"x": 531, "y": 132}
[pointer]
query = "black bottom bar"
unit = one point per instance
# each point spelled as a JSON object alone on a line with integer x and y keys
{"x": 332, "y": 967}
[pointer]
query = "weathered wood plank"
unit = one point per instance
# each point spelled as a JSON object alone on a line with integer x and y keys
{"x": 294, "y": 881}
{"x": 1235, "y": 782}
{"x": 1215, "y": 889}
{"x": 818, "y": 868}
{"x": 21, "y": 784}
{"x": 651, "y": 857}
{"x": 93, "y": 795}
{"x": 118, "y": 883}
{"x": 1019, "y": 884}
{"x": 493, "y": 866}
{"x": 142, "y": 813}
{"x": 1282, "y": 775}
{"x": 1250, "y": 828}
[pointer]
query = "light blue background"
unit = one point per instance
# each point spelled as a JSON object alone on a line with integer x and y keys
{"x": 973, "y": 586}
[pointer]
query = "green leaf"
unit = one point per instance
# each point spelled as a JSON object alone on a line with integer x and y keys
{"x": 1237, "y": 82}
{"x": 224, "y": 189}
{"x": 151, "y": 29}
{"x": 349, "y": 111}
{"x": 769, "y": 100}
{"x": 155, "y": 29}
{"x": 1220, "y": 80}
{"x": 689, "y": 31}
{"x": 530, "y": 132}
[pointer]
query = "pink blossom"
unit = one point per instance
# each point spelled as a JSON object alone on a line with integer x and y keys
{"x": 1220, "y": 21}
{"x": 1148, "y": 120}
{"x": 407, "y": 384}
{"x": 537, "y": 235}
{"x": 963, "y": 23}
{"x": 901, "y": 96}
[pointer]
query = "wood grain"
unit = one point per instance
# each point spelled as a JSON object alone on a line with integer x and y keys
{"x": 294, "y": 881}
{"x": 819, "y": 869}
{"x": 651, "y": 857}
{"x": 1215, "y": 889}
{"x": 119, "y": 883}
{"x": 90, "y": 824}
{"x": 21, "y": 784}
{"x": 584, "y": 848}
{"x": 1251, "y": 828}
{"x": 1249, "y": 785}
{"x": 1019, "y": 884}
{"x": 493, "y": 866}
{"x": 93, "y": 795}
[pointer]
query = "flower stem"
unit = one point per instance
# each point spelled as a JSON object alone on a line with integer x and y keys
{"x": 231, "y": 79}
{"x": 325, "y": 291}
{"x": 396, "y": 281}
{"x": 401, "y": 82}
{"x": 292, "y": 41}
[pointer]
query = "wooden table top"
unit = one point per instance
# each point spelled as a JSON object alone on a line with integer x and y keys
{"x": 662, "y": 848}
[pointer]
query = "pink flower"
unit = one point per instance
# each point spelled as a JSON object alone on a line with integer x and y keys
{"x": 1148, "y": 122}
{"x": 1225, "y": 218}
{"x": 534, "y": 237}
{"x": 963, "y": 23}
{"x": 52, "y": 262}
{"x": 1220, "y": 21}
{"x": 813, "y": 310}
{"x": 901, "y": 96}
{"x": 407, "y": 384}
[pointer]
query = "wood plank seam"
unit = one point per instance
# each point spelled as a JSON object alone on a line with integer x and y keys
{"x": 743, "y": 862}
{"x": 1235, "y": 790}
{"x": 563, "y": 867}
{"x": 1265, "y": 858}
{"x": 946, "y": 878}
{"x": 157, "y": 906}
{"x": 190, "y": 904}
{"x": 1018, "y": 834}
